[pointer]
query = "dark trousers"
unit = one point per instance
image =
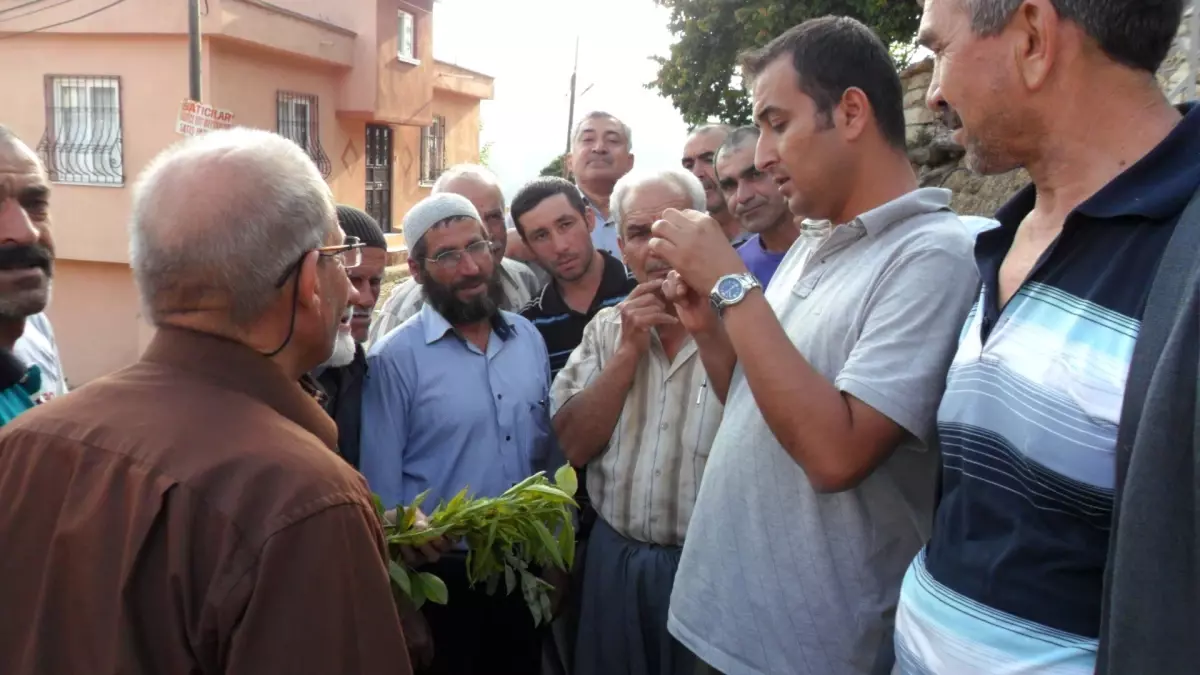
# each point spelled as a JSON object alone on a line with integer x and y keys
{"x": 480, "y": 634}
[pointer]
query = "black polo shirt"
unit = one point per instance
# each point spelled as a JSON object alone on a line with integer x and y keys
{"x": 562, "y": 327}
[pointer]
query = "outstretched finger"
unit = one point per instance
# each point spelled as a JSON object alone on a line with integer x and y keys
{"x": 652, "y": 287}
{"x": 664, "y": 248}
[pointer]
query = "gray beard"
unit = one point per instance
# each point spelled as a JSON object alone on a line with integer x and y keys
{"x": 343, "y": 352}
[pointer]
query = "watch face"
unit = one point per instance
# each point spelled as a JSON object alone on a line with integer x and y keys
{"x": 729, "y": 289}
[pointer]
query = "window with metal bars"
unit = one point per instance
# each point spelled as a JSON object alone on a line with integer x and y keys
{"x": 83, "y": 143}
{"x": 297, "y": 118}
{"x": 433, "y": 150}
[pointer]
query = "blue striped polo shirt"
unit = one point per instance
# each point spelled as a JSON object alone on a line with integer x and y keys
{"x": 1011, "y": 580}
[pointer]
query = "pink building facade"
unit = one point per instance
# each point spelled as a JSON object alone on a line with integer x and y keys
{"x": 353, "y": 82}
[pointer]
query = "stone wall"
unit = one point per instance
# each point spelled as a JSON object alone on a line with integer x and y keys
{"x": 938, "y": 159}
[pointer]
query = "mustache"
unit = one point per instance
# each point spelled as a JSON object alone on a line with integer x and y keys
{"x": 24, "y": 257}
{"x": 950, "y": 118}
{"x": 469, "y": 282}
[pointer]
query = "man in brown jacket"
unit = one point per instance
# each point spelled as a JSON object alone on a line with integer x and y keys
{"x": 188, "y": 514}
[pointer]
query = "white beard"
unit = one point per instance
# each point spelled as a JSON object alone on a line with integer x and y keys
{"x": 343, "y": 352}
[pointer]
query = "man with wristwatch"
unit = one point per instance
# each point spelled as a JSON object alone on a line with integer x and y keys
{"x": 819, "y": 487}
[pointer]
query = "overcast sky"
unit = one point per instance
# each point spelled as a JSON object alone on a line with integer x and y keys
{"x": 528, "y": 46}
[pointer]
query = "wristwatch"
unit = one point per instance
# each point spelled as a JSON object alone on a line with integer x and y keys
{"x": 731, "y": 289}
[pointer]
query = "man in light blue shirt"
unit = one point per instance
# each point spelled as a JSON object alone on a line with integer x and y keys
{"x": 457, "y": 397}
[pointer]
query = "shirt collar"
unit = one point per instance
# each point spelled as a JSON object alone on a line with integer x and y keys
{"x": 915, "y": 203}
{"x": 1159, "y": 185}
{"x": 232, "y": 365}
{"x": 1156, "y": 187}
{"x": 612, "y": 282}
{"x": 436, "y": 325}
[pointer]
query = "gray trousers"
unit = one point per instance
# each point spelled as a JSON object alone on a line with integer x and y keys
{"x": 623, "y": 611}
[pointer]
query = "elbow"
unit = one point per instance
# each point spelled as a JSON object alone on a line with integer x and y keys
{"x": 576, "y": 457}
{"x": 829, "y": 476}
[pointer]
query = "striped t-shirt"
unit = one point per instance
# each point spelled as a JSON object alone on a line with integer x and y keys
{"x": 1012, "y": 577}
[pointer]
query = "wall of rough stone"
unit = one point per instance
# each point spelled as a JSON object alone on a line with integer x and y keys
{"x": 938, "y": 159}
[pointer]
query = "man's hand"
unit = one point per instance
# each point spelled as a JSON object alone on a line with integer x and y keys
{"x": 695, "y": 310}
{"x": 696, "y": 248}
{"x": 644, "y": 309}
{"x": 427, "y": 553}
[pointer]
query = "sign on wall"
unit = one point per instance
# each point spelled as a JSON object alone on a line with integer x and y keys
{"x": 199, "y": 118}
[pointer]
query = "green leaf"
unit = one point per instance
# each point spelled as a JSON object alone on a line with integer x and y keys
{"x": 378, "y": 502}
{"x": 549, "y": 543}
{"x": 510, "y": 579}
{"x": 410, "y": 512}
{"x": 553, "y": 493}
{"x": 434, "y": 588}
{"x": 418, "y": 589}
{"x": 567, "y": 480}
{"x": 399, "y": 577}
{"x": 566, "y": 545}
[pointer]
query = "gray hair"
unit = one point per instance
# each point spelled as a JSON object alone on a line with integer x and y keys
{"x": 737, "y": 138}
{"x": 678, "y": 179}
{"x": 476, "y": 171}
{"x": 1134, "y": 33}
{"x": 601, "y": 115}
{"x": 224, "y": 215}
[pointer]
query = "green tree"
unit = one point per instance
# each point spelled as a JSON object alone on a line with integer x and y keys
{"x": 698, "y": 76}
{"x": 556, "y": 167}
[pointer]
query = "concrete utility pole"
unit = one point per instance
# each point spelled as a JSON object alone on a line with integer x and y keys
{"x": 571, "y": 113}
{"x": 194, "y": 90}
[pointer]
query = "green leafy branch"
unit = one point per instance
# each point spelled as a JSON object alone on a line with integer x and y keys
{"x": 509, "y": 538}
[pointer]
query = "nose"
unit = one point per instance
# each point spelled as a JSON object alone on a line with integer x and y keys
{"x": 355, "y": 298}
{"x": 467, "y": 266}
{"x": 933, "y": 96}
{"x": 765, "y": 155}
{"x": 561, "y": 245}
{"x": 360, "y": 294}
{"x": 15, "y": 226}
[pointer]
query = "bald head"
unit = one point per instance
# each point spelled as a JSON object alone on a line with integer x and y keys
{"x": 480, "y": 186}
{"x": 218, "y": 218}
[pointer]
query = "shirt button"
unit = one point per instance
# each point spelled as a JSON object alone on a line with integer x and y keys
{"x": 664, "y": 426}
{"x": 499, "y": 395}
{"x": 658, "y": 472}
{"x": 508, "y": 438}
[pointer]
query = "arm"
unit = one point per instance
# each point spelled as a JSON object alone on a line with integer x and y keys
{"x": 589, "y": 398}
{"x": 384, "y": 435}
{"x": 319, "y": 601}
{"x": 719, "y": 359}
{"x": 890, "y": 385}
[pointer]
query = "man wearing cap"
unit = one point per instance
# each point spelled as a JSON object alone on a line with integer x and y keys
{"x": 341, "y": 376}
{"x": 518, "y": 282}
{"x": 457, "y": 397}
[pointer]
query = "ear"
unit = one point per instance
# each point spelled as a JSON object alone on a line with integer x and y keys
{"x": 589, "y": 217}
{"x": 308, "y": 285}
{"x": 414, "y": 269}
{"x": 853, "y": 114}
{"x": 1036, "y": 25}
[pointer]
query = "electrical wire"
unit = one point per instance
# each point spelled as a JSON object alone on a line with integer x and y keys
{"x": 64, "y": 22}
{"x": 16, "y": 7}
{"x": 32, "y": 11}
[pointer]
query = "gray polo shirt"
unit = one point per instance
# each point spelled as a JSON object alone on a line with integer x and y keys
{"x": 775, "y": 577}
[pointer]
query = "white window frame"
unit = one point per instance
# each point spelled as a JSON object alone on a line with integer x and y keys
{"x": 71, "y": 143}
{"x": 406, "y": 37}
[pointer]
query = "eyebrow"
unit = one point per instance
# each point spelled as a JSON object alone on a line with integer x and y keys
{"x": 765, "y": 112}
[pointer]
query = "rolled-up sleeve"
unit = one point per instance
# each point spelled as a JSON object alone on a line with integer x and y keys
{"x": 319, "y": 601}
{"x": 913, "y": 320}
{"x": 384, "y": 435}
{"x": 582, "y": 367}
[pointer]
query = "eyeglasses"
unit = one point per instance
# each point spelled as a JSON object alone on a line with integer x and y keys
{"x": 448, "y": 260}
{"x": 348, "y": 253}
